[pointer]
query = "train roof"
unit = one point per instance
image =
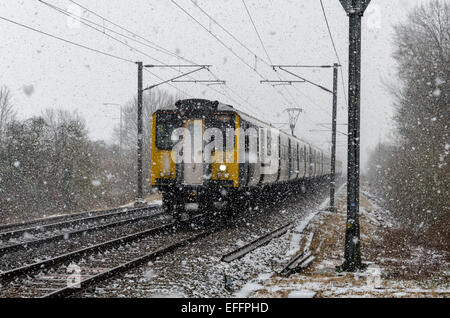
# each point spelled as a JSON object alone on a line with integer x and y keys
{"x": 198, "y": 104}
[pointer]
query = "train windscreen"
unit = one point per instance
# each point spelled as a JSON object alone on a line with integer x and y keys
{"x": 166, "y": 123}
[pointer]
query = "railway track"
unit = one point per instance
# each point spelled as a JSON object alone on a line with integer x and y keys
{"x": 123, "y": 266}
{"x": 298, "y": 263}
{"x": 262, "y": 240}
{"x": 55, "y": 244}
{"x": 83, "y": 271}
{"x": 98, "y": 262}
{"x": 27, "y": 238}
{"x": 47, "y": 222}
{"x": 81, "y": 219}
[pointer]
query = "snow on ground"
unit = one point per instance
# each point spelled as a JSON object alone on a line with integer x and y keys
{"x": 324, "y": 236}
{"x": 291, "y": 239}
{"x": 197, "y": 269}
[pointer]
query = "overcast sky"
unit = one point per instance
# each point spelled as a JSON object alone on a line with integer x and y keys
{"x": 43, "y": 72}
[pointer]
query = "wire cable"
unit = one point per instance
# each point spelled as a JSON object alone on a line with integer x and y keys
{"x": 227, "y": 47}
{"x": 64, "y": 12}
{"x": 334, "y": 48}
{"x": 86, "y": 22}
{"x": 158, "y": 47}
{"x": 228, "y": 32}
{"x": 67, "y": 41}
{"x": 256, "y": 55}
{"x": 154, "y": 45}
{"x": 270, "y": 60}
{"x": 257, "y": 33}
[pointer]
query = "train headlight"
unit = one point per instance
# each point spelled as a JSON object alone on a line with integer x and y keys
{"x": 223, "y": 168}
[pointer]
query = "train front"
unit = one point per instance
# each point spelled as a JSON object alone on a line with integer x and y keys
{"x": 194, "y": 158}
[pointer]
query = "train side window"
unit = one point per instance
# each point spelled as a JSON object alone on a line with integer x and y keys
{"x": 247, "y": 140}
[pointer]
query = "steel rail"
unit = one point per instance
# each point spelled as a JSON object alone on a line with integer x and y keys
{"x": 298, "y": 262}
{"x": 67, "y": 223}
{"x": 6, "y": 227}
{"x": 95, "y": 279}
{"x": 47, "y": 264}
{"x": 243, "y": 250}
{"x": 69, "y": 234}
{"x": 52, "y": 219}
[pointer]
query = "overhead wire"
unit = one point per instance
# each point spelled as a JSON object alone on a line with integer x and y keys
{"x": 162, "y": 50}
{"x": 268, "y": 63}
{"x": 88, "y": 23}
{"x": 68, "y": 41}
{"x": 91, "y": 25}
{"x": 334, "y": 48}
{"x": 257, "y": 33}
{"x": 226, "y": 46}
{"x": 152, "y": 44}
{"x": 270, "y": 60}
{"x": 263, "y": 46}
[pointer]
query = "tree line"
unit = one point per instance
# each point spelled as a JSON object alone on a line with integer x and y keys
{"x": 49, "y": 165}
{"x": 412, "y": 172}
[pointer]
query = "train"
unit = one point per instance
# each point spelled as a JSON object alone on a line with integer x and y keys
{"x": 205, "y": 152}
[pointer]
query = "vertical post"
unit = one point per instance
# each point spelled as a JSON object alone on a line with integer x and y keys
{"x": 333, "y": 139}
{"x": 352, "y": 253}
{"x": 140, "y": 199}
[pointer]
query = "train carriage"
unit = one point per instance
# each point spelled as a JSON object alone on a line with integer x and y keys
{"x": 204, "y": 152}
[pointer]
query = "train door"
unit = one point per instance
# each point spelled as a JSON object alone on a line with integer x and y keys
{"x": 244, "y": 146}
{"x": 298, "y": 161}
{"x": 305, "y": 161}
{"x": 247, "y": 156}
{"x": 252, "y": 150}
{"x": 280, "y": 162}
{"x": 289, "y": 159}
{"x": 193, "y": 152}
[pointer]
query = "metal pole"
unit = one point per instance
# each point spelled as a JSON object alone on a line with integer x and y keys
{"x": 140, "y": 200}
{"x": 333, "y": 139}
{"x": 352, "y": 252}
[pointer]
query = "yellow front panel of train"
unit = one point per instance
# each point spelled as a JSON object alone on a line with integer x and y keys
{"x": 225, "y": 164}
{"x": 162, "y": 165}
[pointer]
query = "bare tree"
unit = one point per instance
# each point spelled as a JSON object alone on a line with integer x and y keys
{"x": 414, "y": 173}
{"x": 151, "y": 102}
{"x": 6, "y": 110}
